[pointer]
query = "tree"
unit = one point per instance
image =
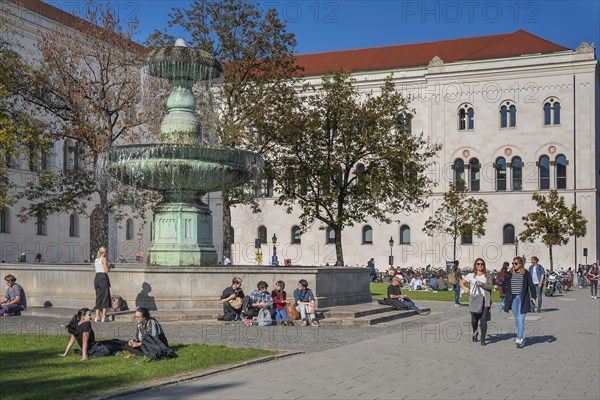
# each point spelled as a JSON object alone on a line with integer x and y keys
{"x": 257, "y": 56}
{"x": 345, "y": 156}
{"x": 87, "y": 82}
{"x": 19, "y": 132}
{"x": 553, "y": 223}
{"x": 459, "y": 214}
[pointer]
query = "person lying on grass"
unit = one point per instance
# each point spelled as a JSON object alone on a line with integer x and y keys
{"x": 81, "y": 331}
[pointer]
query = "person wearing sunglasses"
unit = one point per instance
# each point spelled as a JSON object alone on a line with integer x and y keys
{"x": 520, "y": 292}
{"x": 480, "y": 298}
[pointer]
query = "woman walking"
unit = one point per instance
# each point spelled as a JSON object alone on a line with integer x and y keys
{"x": 454, "y": 279}
{"x": 520, "y": 293}
{"x": 102, "y": 284}
{"x": 480, "y": 298}
{"x": 594, "y": 274}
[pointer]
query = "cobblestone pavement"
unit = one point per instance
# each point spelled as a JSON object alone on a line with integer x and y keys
{"x": 419, "y": 357}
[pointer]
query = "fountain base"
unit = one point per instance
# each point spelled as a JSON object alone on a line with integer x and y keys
{"x": 182, "y": 235}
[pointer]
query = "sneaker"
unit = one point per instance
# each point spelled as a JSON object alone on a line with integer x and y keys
{"x": 456, "y": 305}
{"x": 520, "y": 344}
{"x": 304, "y": 322}
{"x": 314, "y": 322}
{"x": 539, "y": 310}
{"x": 592, "y": 297}
{"x": 96, "y": 319}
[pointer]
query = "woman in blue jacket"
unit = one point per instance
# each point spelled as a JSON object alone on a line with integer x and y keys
{"x": 520, "y": 293}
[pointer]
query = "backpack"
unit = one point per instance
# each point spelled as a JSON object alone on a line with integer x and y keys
{"x": 117, "y": 303}
{"x": 264, "y": 317}
{"x": 154, "y": 349}
{"x": 452, "y": 279}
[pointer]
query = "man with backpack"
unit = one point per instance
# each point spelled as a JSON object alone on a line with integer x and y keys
{"x": 150, "y": 339}
{"x": 538, "y": 275}
{"x": 259, "y": 299}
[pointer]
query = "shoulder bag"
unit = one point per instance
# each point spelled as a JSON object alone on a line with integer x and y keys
{"x": 291, "y": 311}
{"x": 476, "y": 301}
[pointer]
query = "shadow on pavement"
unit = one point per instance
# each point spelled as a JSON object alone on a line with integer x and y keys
{"x": 544, "y": 310}
{"x": 540, "y": 339}
{"x": 500, "y": 337}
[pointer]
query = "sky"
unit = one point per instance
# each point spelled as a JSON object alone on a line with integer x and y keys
{"x": 322, "y": 26}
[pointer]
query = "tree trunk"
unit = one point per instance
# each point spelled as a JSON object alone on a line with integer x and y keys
{"x": 105, "y": 212}
{"x": 227, "y": 228}
{"x": 454, "y": 253}
{"x": 338, "y": 246}
{"x": 551, "y": 260}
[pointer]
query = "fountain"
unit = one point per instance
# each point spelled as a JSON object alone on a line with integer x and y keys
{"x": 183, "y": 167}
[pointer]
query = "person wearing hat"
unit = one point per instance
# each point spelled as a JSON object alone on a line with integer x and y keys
{"x": 397, "y": 299}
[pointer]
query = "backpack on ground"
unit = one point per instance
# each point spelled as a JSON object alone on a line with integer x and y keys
{"x": 155, "y": 349}
{"x": 264, "y": 317}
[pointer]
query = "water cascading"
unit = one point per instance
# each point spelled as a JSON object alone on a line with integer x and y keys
{"x": 183, "y": 166}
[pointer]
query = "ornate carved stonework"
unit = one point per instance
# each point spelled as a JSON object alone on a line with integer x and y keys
{"x": 582, "y": 48}
{"x": 436, "y": 62}
{"x": 466, "y": 153}
{"x": 508, "y": 151}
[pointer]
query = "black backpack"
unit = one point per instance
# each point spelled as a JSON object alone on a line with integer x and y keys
{"x": 154, "y": 349}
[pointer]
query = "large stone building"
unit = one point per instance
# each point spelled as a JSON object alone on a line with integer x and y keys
{"x": 515, "y": 114}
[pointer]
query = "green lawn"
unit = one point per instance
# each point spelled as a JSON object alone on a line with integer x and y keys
{"x": 379, "y": 290}
{"x": 31, "y": 369}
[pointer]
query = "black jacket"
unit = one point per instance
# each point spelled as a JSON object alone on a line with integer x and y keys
{"x": 528, "y": 292}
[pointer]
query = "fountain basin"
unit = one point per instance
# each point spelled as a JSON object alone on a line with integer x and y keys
{"x": 181, "y": 62}
{"x": 182, "y": 167}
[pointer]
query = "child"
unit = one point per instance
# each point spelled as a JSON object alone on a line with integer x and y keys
{"x": 279, "y": 297}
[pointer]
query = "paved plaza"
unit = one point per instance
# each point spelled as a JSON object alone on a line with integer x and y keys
{"x": 419, "y": 357}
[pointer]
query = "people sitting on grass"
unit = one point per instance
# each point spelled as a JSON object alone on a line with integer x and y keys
{"x": 145, "y": 326}
{"x": 279, "y": 299}
{"x": 304, "y": 301}
{"x": 14, "y": 301}
{"x": 416, "y": 282}
{"x": 259, "y": 298}
{"x": 81, "y": 331}
{"x": 441, "y": 283}
{"x": 398, "y": 300}
{"x": 232, "y": 299}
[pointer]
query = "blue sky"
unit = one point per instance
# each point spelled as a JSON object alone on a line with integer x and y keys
{"x": 349, "y": 24}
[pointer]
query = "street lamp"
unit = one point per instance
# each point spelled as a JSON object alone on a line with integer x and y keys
{"x": 274, "y": 260}
{"x": 516, "y": 246}
{"x": 391, "y": 261}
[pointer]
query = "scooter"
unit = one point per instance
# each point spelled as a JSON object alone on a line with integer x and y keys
{"x": 551, "y": 286}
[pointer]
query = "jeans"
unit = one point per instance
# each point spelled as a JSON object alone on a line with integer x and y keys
{"x": 540, "y": 292}
{"x": 456, "y": 293}
{"x": 519, "y": 318}
{"x": 281, "y": 315}
{"x": 594, "y": 287}
{"x": 11, "y": 309}
{"x": 411, "y": 306}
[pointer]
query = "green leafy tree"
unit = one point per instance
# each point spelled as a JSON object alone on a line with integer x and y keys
{"x": 554, "y": 223}
{"x": 87, "y": 82}
{"x": 257, "y": 54}
{"x": 19, "y": 132}
{"x": 344, "y": 156}
{"x": 459, "y": 214}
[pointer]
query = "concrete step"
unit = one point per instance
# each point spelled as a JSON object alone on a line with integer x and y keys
{"x": 372, "y": 319}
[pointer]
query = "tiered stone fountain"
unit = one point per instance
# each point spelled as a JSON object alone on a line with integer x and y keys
{"x": 183, "y": 167}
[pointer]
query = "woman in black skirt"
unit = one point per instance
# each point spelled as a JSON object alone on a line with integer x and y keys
{"x": 102, "y": 283}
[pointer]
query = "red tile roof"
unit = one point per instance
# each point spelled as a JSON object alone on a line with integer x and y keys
{"x": 419, "y": 54}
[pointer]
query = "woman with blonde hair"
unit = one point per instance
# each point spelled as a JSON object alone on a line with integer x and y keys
{"x": 520, "y": 292}
{"x": 102, "y": 283}
{"x": 480, "y": 300}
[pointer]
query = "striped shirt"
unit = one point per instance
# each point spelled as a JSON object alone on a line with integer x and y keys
{"x": 516, "y": 283}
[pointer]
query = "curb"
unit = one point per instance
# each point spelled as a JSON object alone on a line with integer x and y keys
{"x": 181, "y": 378}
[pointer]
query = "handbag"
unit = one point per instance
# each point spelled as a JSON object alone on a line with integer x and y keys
{"x": 291, "y": 311}
{"x": 476, "y": 302}
{"x": 236, "y": 303}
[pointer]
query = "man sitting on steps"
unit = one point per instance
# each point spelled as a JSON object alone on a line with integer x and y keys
{"x": 398, "y": 300}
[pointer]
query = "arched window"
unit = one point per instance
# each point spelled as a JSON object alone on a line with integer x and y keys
{"x": 262, "y": 234}
{"x": 503, "y": 117}
{"x": 500, "y": 174}
{"x": 474, "y": 175}
{"x": 517, "y": 173}
{"x": 367, "y": 235}
{"x": 512, "y": 110}
{"x": 404, "y": 234}
{"x": 561, "y": 172}
{"x": 41, "y": 227}
{"x": 360, "y": 173}
{"x": 129, "y": 229}
{"x": 508, "y": 115}
{"x": 466, "y": 238}
{"x": 552, "y": 112}
{"x": 296, "y": 235}
{"x": 4, "y": 220}
{"x": 544, "y": 172}
{"x": 466, "y": 117}
{"x": 73, "y": 225}
{"x": 459, "y": 174}
{"x": 508, "y": 234}
{"x": 330, "y": 235}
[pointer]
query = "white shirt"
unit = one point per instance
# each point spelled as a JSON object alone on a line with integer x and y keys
{"x": 98, "y": 265}
{"x": 416, "y": 282}
{"x": 226, "y": 261}
{"x": 472, "y": 279}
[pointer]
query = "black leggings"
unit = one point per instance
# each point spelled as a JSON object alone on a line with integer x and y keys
{"x": 594, "y": 286}
{"x": 484, "y": 317}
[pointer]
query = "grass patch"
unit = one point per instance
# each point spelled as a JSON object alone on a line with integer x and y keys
{"x": 379, "y": 290}
{"x": 31, "y": 368}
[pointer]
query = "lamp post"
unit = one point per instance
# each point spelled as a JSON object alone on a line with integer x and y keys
{"x": 516, "y": 246}
{"x": 274, "y": 260}
{"x": 391, "y": 260}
